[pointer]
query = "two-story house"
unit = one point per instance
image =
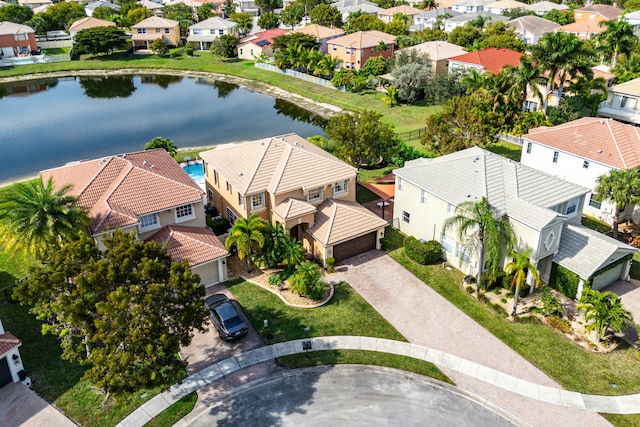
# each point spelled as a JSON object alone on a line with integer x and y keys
{"x": 88, "y": 22}
{"x": 347, "y": 7}
{"x": 588, "y": 20}
{"x": 288, "y": 180}
{"x": 260, "y": 43}
{"x": 470, "y": 6}
{"x": 490, "y": 60}
{"x": 544, "y": 212}
{"x": 582, "y": 150}
{"x": 147, "y": 193}
{"x": 439, "y": 52}
{"x": 322, "y": 34}
{"x": 432, "y": 19}
{"x": 148, "y": 30}
{"x": 355, "y": 49}
{"x": 622, "y": 102}
{"x": 387, "y": 15}
{"x": 16, "y": 39}
{"x": 531, "y": 28}
{"x": 202, "y": 34}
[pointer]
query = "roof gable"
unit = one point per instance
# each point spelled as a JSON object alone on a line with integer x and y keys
{"x": 197, "y": 245}
{"x": 320, "y": 31}
{"x": 606, "y": 11}
{"x": 533, "y": 24}
{"x": 364, "y": 39}
{"x": 491, "y": 60}
{"x": 438, "y": 50}
{"x": 336, "y": 222}
{"x": 156, "y": 22}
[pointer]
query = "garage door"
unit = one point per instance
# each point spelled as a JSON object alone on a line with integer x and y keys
{"x": 602, "y": 280}
{"x": 355, "y": 246}
{"x": 5, "y": 374}
{"x": 208, "y": 273}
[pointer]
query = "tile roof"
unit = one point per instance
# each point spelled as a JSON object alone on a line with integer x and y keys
{"x": 118, "y": 189}
{"x": 214, "y": 23}
{"x": 525, "y": 194}
{"x": 491, "y": 60}
{"x": 434, "y": 13}
{"x": 533, "y": 24}
{"x": 198, "y": 245}
{"x": 404, "y": 9}
{"x": 320, "y": 31}
{"x": 151, "y": 5}
{"x": 9, "y": 28}
{"x": 632, "y": 87}
{"x": 606, "y": 11}
{"x": 292, "y": 208}
{"x": 90, "y": 22}
{"x": 279, "y": 164}
{"x": 605, "y": 141}
{"x": 364, "y": 39}
{"x": 585, "y": 251}
{"x": 438, "y": 50}
{"x": 7, "y": 342}
{"x": 156, "y": 22}
{"x": 589, "y": 27}
{"x": 337, "y": 222}
{"x": 505, "y": 4}
{"x": 100, "y": 3}
{"x": 545, "y": 6}
{"x": 263, "y": 37}
{"x": 466, "y": 17}
{"x": 473, "y": 2}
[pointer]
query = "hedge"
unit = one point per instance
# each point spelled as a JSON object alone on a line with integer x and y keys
{"x": 423, "y": 252}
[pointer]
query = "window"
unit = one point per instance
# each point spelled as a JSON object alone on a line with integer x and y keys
{"x": 594, "y": 203}
{"x": 406, "y": 216}
{"x": 158, "y": 30}
{"x": 220, "y": 32}
{"x": 228, "y": 187}
{"x": 314, "y": 195}
{"x": 142, "y": 31}
{"x": 348, "y": 51}
{"x": 555, "y": 157}
{"x": 451, "y": 209}
{"x": 335, "y": 47}
{"x": 197, "y": 31}
{"x": 215, "y": 177}
{"x": 257, "y": 201}
{"x": 240, "y": 51}
{"x": 184, "y": 213}
{"x": 423, "y": 197}
{"x": 240, "y": 199}
{"x": 462, "y": 253}
{"x": 447, "y": 243}
{"x": 251, "y": 52}
{"x": 167, "y": 30}
{"x": 149, "y": 221}
{"x": 373, "y": 50}
{"x": 528, "y": 148}
{"x": 571, "y": 206}
{"x": 353, "y": 65}
{"x": 585, "y": 164}
{"x": 400, "y": 184}
{"x": 341, "y": 187}
{"x": 347, "y": 65}
{"x": 231, "y": 216}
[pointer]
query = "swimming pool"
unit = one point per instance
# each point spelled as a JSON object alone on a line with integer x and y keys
{"x": 194, "y": 170}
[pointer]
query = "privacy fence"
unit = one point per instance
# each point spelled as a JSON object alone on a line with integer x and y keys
{"x": 298, "y": 75}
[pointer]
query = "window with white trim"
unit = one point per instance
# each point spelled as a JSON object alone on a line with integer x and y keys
{"x": 462, "y": 252}
{"x": 571, "y": 207}
{"x": 257, "y": 201}
{"x": 595, "y": 203}
{"x": 215, "y": 177}
{"x": 149, "y": 222}
{"x": 451, "y": 209}
{"x": 400, "y": 184}
{"x": 241, "y": 200}
{"x": 314, "y": 195}
{"x": 340, "y": 187}
{"x": 423, "y": 197}
{"x": 185, "y": 212}
{"x": 167, "y": 30}
{"x": 228, "y": 187}
{"x": 406, "y": 217}
{"x": 585, "y": 164}
{"x": 447, "y": 243}
{"x": 231, "y": 216}
{"x": 555, "y": 156}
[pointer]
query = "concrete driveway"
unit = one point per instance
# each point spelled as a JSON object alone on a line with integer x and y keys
{"x": 21, "y": 406}
{"x": 426, "y": 318}
{"x": 629, "y": 293}
{"x": 346, "y": 395}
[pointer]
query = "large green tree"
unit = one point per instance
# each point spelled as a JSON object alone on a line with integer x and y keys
{"x": 247, "y": 236}
{"x": 15, "y": 13}
{"x": 479, "y": 226}
{"x": 622, "y": 188}
{"x": 268, "y": 21}
{"x": 293, "y": 14}
{"x": 244, "y": 21}
{"x": 161, "y": 142}
{"x": 364, "y": 22}
{"x": 225, "y": 46}
{"x": 36, "y": 217}
{"x": 617, "y": 38}
{"x": 361, "y": 137}
{"x": 99, "y": 40}
{"x": 125, "y": 312}
{"x": 59, "y": 16}
{"x": 603, "y": 310}
{"x": 326, "y": 15}
{"x": 521, "y": 267}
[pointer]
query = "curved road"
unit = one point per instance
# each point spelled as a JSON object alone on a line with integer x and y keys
{"x": 345, "y": 395}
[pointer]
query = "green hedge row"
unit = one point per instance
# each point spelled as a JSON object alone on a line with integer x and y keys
{"x": 423, "y": 252}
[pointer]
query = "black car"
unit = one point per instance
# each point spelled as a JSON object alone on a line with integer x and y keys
{"x": 225, "y": 317}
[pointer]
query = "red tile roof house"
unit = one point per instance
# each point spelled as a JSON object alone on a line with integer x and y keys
{"x": 259, "y": 43}
{"x": 149, "y": 194}
{"x": 489, "y": 60}
{"x": 11, "y": 368}
{"x": 582, "y": 150}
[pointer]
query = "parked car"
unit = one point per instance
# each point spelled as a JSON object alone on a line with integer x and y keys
{"x": 226, "y": 319}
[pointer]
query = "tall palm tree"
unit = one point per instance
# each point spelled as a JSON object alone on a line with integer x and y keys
{"x": 622, "y": 187}
{"x": 562, "y": 56}
{"x": 627, "y": 67}
{"x": 617, "y": 38}
{"x": 583, "y": 86}
{"x": 603, "y": 310}
{"x": 246, "y": 235}
{"x": 36, "y": 217}
{"x": 520, "y": 267}
{"x": 525, "y": 79}
{"x": 474, "y": 80}
{"x": 476, "y": 221}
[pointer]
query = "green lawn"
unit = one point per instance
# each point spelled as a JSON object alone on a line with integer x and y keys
{"x": 175, "y": 412}
{"x": 507, "y": 149}
{"x": 346, "y": 314}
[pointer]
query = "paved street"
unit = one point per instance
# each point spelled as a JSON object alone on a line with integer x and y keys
{"x": 21, "y": 406}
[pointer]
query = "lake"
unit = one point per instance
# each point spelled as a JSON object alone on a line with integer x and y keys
{"x": 47, "y": 123}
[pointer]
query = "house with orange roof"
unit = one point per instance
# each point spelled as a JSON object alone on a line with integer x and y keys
{"x": 258, "y": 44}
{"x": 11, "y": 368}
{"x": 584, "y": 30}
{"x": 588, "y": 20}
{"x": 322, "y": 34}
{"x": 148, "y": 30}
{"x": 149, "y": 194}
{"x": 88, "y": 22}
{"x": 490, "y": 60}
{"x": 387, "y": 15}
{"x": 582, "y": 150}
{"x": 287, "y": 180}
{"x": 355, "y": 49}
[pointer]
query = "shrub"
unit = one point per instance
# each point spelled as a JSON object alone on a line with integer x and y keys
{"x": 330, "y": 262}
{"x": 551, "y": 306}
{"x": 188, "y": 50}
{"x": 492, "y": 280}
{"x": 503, "y": 300}
{"x": 564, "y": 281}
{"x": 499, "y": 309}
{"x": 275, "y": 280}
{"x": 424, "y": 253}
{"x": 219, "y": 226}
{"x": 560, "y": 324}
{"x": 306, "y": 281}
{"x": 469, "y": 289}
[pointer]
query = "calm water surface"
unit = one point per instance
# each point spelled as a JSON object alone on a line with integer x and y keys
{"x": 47, "y": 123}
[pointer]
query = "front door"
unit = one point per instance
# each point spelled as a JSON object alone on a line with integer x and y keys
{"x": 5, "y": 374}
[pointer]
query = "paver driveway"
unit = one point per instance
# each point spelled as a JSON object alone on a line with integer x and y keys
{"x": 426, "y": 318}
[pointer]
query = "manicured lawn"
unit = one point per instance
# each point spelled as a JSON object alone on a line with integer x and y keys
{"x": 567, "y": 363}
{"x": 371, "y": 174}
{"x": 175, "y": 412}
{"x": 364, "y": 195}
{"x": 346, "y": 314}
{"x": 507, "y": 149}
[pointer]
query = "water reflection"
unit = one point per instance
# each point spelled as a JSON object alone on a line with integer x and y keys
{"x": 27, "y": 88}
{"x": 224, "y": 89}
{"x": 296, "y": 113}
{"x": 161, "y": 80}
{"x": 108, "y": 86}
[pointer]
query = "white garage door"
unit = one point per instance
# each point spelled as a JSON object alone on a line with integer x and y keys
{"x": 208, "y": 273}
{"x": 606, "y": 278}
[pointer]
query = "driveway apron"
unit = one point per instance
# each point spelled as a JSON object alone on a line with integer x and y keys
{"x": 424, "y": 317}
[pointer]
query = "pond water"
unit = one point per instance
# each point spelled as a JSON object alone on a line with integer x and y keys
{"x": 47, "y": 123}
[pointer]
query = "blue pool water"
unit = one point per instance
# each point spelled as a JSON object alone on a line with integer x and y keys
{"x": 194, "y": 170}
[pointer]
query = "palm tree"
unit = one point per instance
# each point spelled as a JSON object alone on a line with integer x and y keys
{"x": 326, "y": 66}
{"x": 603, "y": 310}
{"x": 627, "y": 67}
{"x": 35, "y": 217}
{"x": 622, "y": 187}
{"x": 525, "y": 79}
{"x": 390, "y": 97}
{"x": 562, "y": 56}
{"x": 583, "y": 86}
{"x": 474, "y": 80}
{"x": 246, "y": 235}
{"x": 161, "y": 142}
{"x": 617, "y": 38}
{"x": 475, "y": 220}
{"x": 520, "y": 267}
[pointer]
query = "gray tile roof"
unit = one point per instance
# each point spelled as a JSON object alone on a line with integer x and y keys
{"x": 434, "y": 13}
{"x": 466, "y": 17}
{"x": 533, "y": 24}
{"x": 585, "y": 251}
{"x": 214, "y": 23}
{"x": 522, "y": 193}
{"x": 545, "y": 6}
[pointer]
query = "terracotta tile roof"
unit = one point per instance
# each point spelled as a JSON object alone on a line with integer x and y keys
{"x": 491, "y": 60}
{"x": 337, "y": 222}
{"x": 118, "y": 189}
{"x": 292, "y": 208}
{"x": 602, "y": 140}
{"x": 364, "y": 39}
{"x": 90, "y": 22}
{"x": 320, "y": 31}
{"x": 404, "y": 9}
{"x": 609, "y": 12}
{"x": 279, "y": 164}
{"x": 7, "y": 342}
{"x": 582, "y": 27}
{"x": 197, "y": 245}
{"x": 505, "y": 4}
{"x": 263, "y": 38}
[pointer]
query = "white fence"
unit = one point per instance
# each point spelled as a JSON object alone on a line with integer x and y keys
{"x": 54, "y": 44}
{"x": 298, "y": 75}
{"x": 511, "y": 138}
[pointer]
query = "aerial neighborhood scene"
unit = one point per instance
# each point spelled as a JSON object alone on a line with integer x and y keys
{"x": 317, "y": 212}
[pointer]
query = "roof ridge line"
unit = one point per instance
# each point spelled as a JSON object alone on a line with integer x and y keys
{"x": 286, "y": 158}
{"x": 114, "y": 185}
{"x": 182, "y": 233}
{"x": 615, "y": 143}
{"x": 260, "y": 160}
{"x": 333, "y": 219}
